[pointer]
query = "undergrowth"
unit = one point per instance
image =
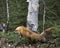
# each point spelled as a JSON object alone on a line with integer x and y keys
{"x": 12, "y": 37}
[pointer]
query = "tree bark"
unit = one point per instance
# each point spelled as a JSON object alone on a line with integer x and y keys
{"x": 32, "y": 17}
{"x": 7, "y": 14}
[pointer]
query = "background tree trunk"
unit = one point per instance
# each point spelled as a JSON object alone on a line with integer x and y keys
{"x": 32, "y": 17}
{"x": 7, "y": 14}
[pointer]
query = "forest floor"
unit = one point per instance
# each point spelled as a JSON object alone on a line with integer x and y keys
{"x": 4, "y": 44}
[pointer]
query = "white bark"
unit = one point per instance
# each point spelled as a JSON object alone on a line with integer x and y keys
{"x": 7, "y": 11}
{"x": 32, "y": 17}
{"x": 7, "y": 14}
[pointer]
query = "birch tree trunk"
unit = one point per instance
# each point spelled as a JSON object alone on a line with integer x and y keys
{"x": 7, "y": 14}
{"x": 32, "y": 17}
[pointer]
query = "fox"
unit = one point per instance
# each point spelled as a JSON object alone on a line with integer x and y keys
{"x": 27, "y": 33}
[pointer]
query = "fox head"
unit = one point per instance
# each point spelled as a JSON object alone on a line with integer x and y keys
{"x": 23, "y": 31}
{"x": 18, "y": 29}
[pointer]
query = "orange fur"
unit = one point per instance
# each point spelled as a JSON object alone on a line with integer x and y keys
{"x": 25, "y": 32}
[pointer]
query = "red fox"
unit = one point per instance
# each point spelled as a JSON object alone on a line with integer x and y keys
{"x": 25, "y": 32}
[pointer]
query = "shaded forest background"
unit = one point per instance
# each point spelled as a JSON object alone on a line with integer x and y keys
{"x": 18, "y": 13}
